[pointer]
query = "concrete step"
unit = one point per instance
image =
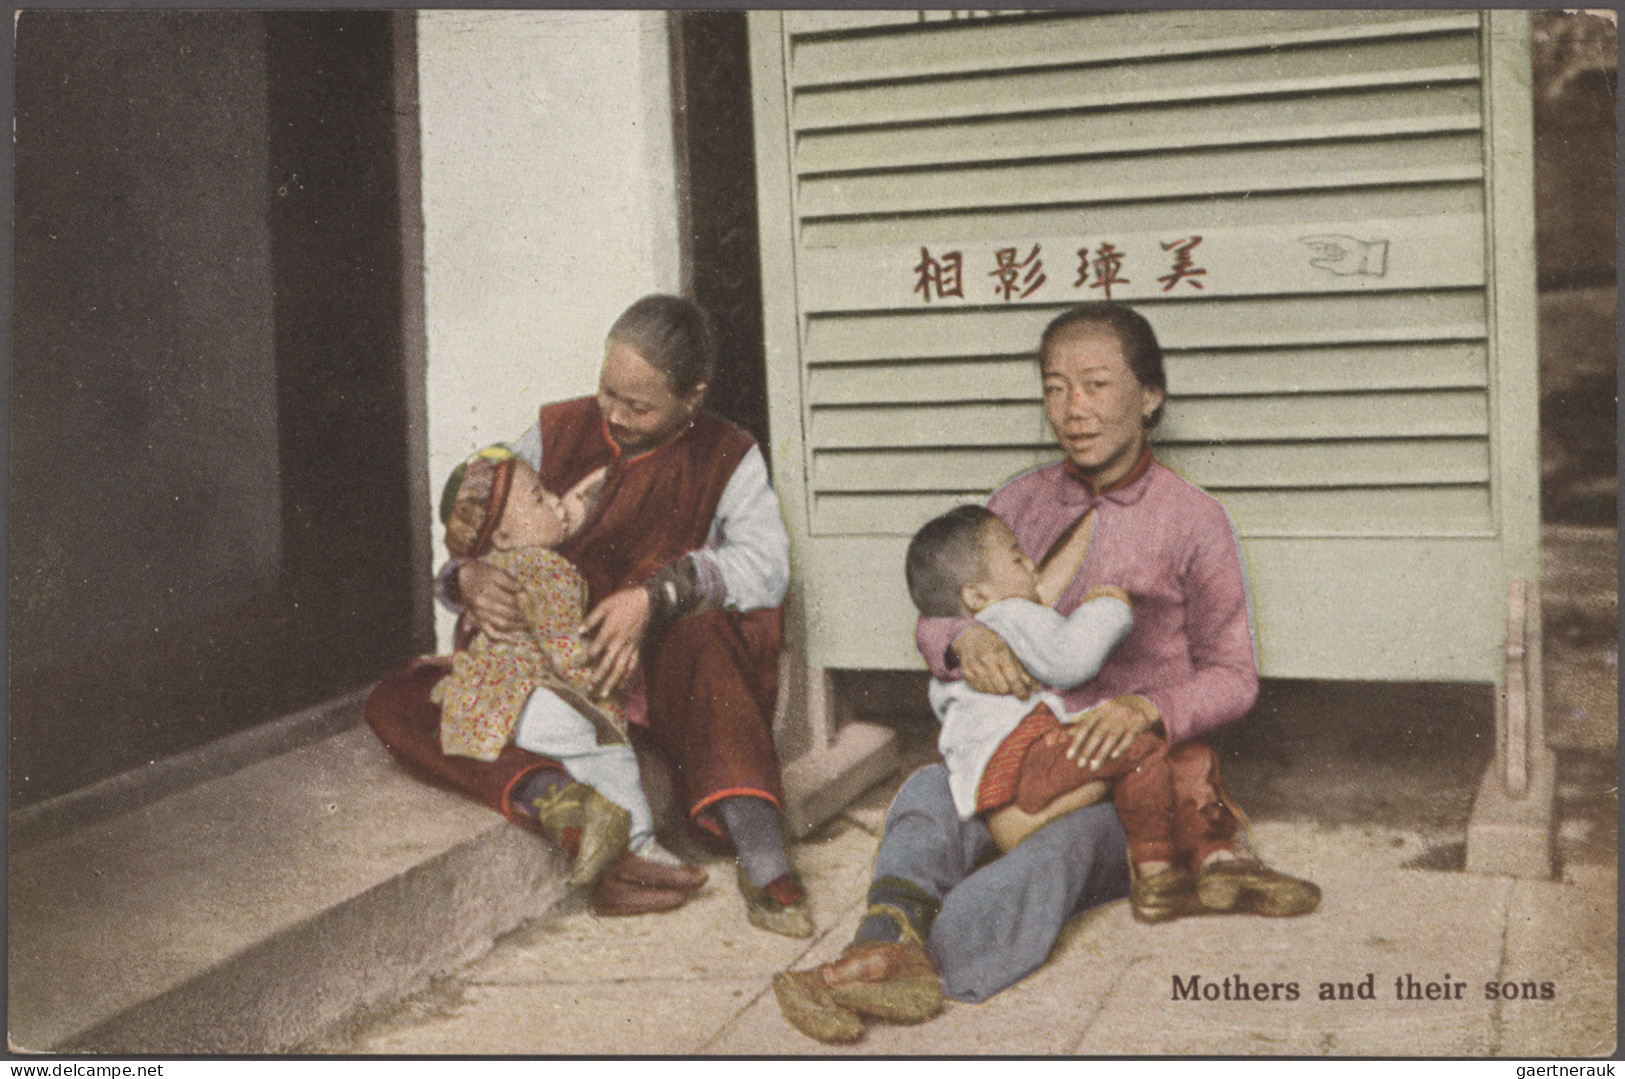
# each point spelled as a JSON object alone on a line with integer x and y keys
{"x": 246, "y": 912}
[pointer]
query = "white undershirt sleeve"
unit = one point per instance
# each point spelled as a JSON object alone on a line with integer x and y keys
{"x": 745, "y": 563}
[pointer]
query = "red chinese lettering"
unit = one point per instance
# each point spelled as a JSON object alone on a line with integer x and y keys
{"x": 945, "y": 275}
{"x": 1010, "y": 275}
{"x": 1108, "y": 266}
{"x": 1185, "y": 268}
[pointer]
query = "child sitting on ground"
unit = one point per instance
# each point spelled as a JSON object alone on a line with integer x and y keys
{"x": 1011, "y": 761}
{"x": 534, "y": 691}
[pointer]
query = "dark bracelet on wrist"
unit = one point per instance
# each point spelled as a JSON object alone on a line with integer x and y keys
{"x": 673, "y": 593}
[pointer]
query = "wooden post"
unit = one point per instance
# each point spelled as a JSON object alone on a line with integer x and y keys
{"x": 1515, "y": 741}
{"x": 1510, "y": 830}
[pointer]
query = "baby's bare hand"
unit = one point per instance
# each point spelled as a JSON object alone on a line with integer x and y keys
{"x": 492, "y": 599}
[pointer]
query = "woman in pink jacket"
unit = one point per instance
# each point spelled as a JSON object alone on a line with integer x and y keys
{"x": 942, "y": 921}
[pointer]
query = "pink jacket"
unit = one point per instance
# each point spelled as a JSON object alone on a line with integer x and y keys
{"x": 1176, "y": 551}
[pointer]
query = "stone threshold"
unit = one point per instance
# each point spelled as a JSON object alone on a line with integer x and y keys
{"x": 138, "y": 787}
{"x": 243, "y": 897}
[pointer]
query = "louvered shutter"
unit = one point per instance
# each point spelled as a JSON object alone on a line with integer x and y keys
{"x": 1327, "y": 217}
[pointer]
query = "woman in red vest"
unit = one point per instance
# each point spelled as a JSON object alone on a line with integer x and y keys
{"x": 687, "y": 561}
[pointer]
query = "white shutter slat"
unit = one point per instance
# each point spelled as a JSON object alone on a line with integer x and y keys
{"x": 1350, "y": 319}
{"x": 802, "y": 23}
{"x": 1408, "y": 462}
{"x": 1398, "y": 511}
{"x": 978, "y": 423}
{"x": 1246, "y": 209}
{"x": 1324, "y": 416}
{"x": 1427, "y": 160}
{"x": 1196, "y": 373}
{"x": 1317, "y": 118}
{"x": 972, "y": 46}
{"x": 1390, "y": 367}
{"x": 1002, "y": 92}
{"x": 1330, "y": 416}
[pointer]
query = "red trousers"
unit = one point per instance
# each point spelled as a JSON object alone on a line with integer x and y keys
{"x": 712, "y": 683}
{"x": 1169, "y": 798}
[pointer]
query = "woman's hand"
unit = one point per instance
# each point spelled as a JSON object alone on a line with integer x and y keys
{"x": 990, "y": 666}
{"x": 491, "y": 598}
{"x": 614, "y": 630}
{"x": 1107, "y": 730}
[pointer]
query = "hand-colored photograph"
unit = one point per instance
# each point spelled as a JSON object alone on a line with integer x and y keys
{"x": 786, "y": 533}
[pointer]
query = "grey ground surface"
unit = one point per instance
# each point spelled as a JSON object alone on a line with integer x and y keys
{"x": 1364, "y": 788}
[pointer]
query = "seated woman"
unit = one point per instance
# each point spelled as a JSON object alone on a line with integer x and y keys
{"x": 687, "y": 562}
{"x": 949, "y": 914}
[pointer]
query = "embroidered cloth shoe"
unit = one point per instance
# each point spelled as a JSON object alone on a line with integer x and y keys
{"x": 604, "y": 827}
{"x": 1163, "y": 896}
{"x": 805, "y": 1002}
{"x": 891, "y": 980}
{"x": 1248, "y": 887}
{"x": 779, "y": 907}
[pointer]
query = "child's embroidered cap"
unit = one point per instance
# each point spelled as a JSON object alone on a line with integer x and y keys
{"x": 471, "y": 505}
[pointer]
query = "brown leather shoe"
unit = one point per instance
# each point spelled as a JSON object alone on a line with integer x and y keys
{"x": 635, "y": 870}
{"x": 1164, "y": 896}
{"x": 891, "y": 980}
{"x": 1247, "y": 887}
{"x": 617, "y": 898}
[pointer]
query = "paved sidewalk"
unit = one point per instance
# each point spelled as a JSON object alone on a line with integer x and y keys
{"x": 1364, "y": 789}
{"x": 698, "y": 980}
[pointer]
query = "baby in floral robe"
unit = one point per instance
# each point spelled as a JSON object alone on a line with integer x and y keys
{"x": 533, "y": 691}
{"x": 493, "y": 678}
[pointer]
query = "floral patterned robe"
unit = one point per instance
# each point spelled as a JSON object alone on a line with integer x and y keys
{"x": 491, "y": 679}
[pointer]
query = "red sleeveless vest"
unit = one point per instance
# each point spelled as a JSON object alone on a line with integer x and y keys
{"x": 654, "y": 507}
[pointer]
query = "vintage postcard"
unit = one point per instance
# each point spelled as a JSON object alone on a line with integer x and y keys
{"x": 802, "y": 532}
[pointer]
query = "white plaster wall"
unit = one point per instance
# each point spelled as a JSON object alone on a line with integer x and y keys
{"x": 549, "y": 205}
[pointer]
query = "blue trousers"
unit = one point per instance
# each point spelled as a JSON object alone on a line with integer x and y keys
{"x": 998, "y": 920}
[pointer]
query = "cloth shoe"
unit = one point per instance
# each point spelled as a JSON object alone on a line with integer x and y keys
{"x": 617, "y": 898}
{"x": 605, "y": 827}
{"x": 890, "y": 980}
{"x": 805, "y": 1003}
{"x": 1163, "y": 896}
{"x": 1248, "y": 887}
{"x": 780, "y": 907}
